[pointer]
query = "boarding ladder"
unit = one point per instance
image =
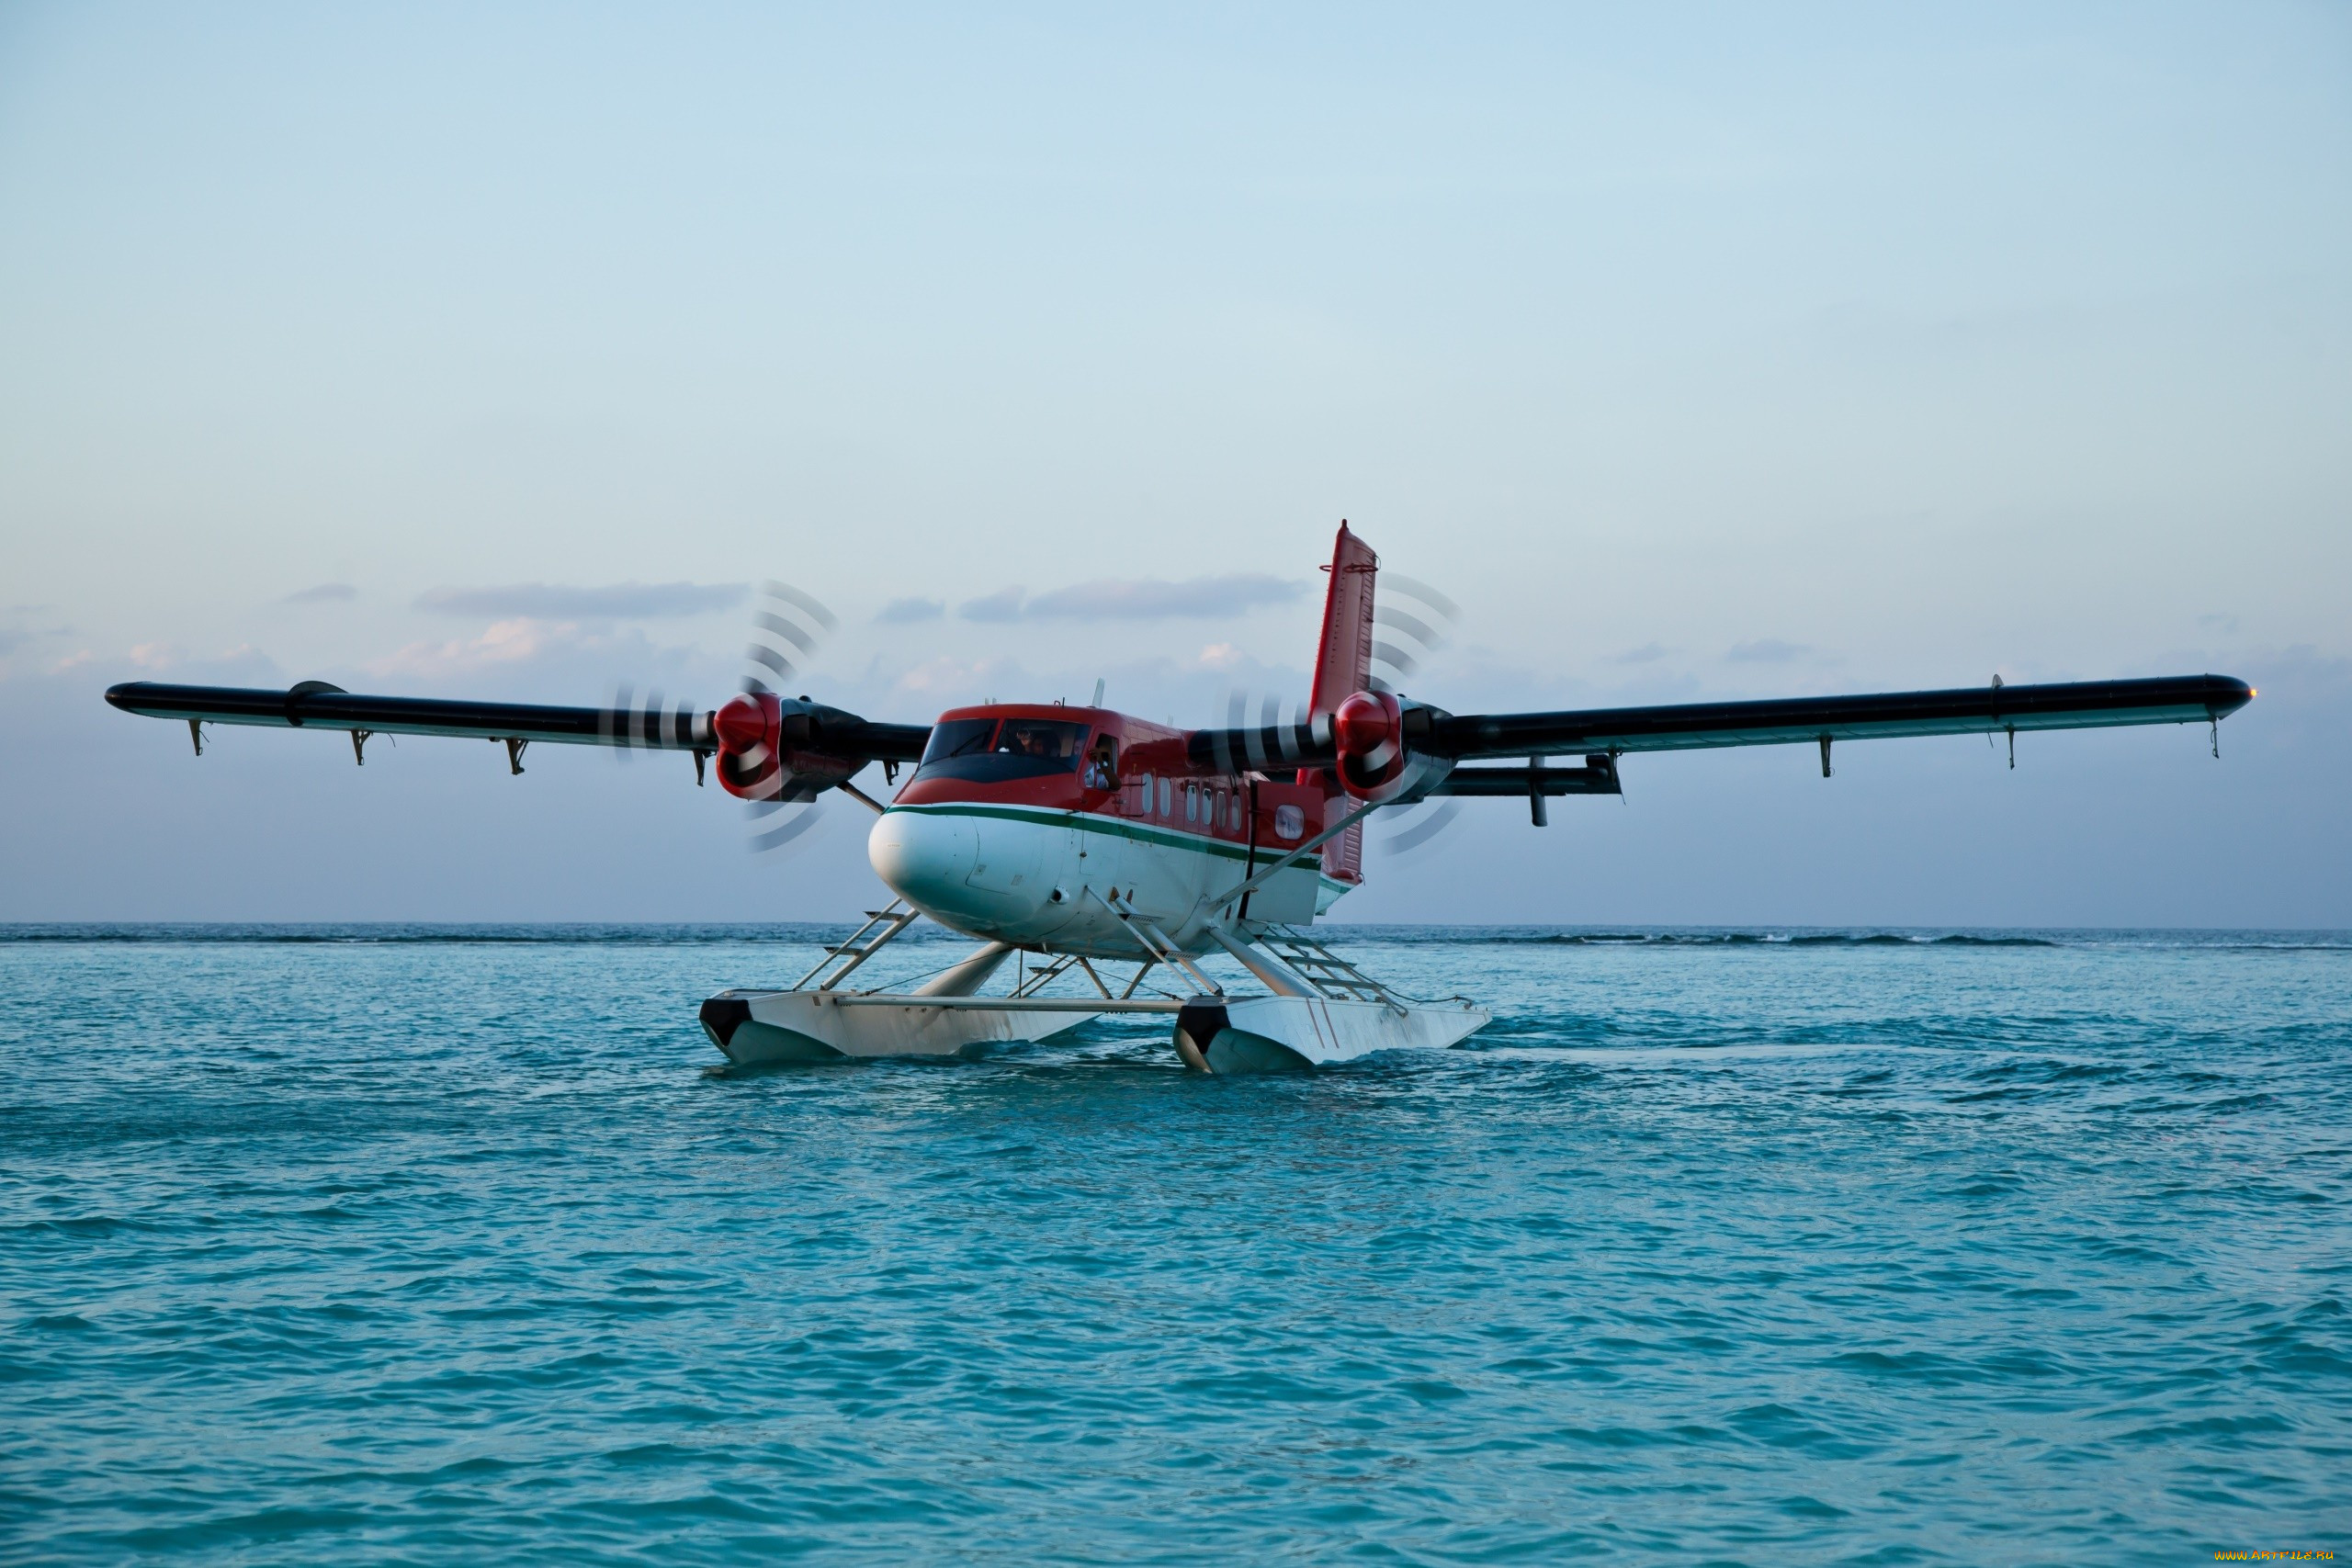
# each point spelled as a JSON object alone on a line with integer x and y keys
{"x": 869, "y": 939}
{"x": 1332, "y": 976}
{"x": 1155, "y": 941}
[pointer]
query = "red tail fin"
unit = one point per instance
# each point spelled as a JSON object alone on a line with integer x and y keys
{"x": 1342, "y": 668}
{"x": 1343, "y": 659}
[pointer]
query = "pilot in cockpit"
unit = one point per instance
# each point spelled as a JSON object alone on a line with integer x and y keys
{"x": 1102, "y": 764}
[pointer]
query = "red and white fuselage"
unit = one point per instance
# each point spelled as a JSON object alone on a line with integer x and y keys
{"x": 1035, "y": 824}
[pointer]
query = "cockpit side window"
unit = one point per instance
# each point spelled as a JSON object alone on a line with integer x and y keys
{"x": 1102, "y": 764}
{"x": 1044, "y": 740}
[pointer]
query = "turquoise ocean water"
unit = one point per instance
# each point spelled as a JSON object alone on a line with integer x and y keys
{"x": 437, "y": 1245}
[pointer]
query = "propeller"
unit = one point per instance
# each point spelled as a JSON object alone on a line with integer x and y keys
{"x": 629, "y": 725}
{"x": 1260, "y": 746}
{"x": 1404, "y": 635}
{"x": 1411, "y": 622}
{"x": 766, "y": 748}
{"x": 1409, "y": 830}
{"x": 756, "y": 731}
{"x": 786, "y": 631}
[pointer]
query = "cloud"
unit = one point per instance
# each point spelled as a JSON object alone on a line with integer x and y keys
{"x": 547, "y": 601}
{"x": 1003, "y": 605}
{"x": 1221, "y": 655}
{"x": 1137, "y": 599}
{"x": 507, "y": 642}
{"x": 11, "y": 640}
{"x": 1143, "y": 599}
{"x": 1766, "y": 650}
{"x": 1648, "y": 653}
{"x": 897, "y": 612}
{"x": 323, "y": 593}
{"x": 950, "y": 679}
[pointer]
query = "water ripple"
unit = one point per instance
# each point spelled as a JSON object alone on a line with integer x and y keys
{"x": 412, "y": 1245}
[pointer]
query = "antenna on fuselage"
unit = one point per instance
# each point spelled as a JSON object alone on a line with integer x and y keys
{"x": 1098, "y": 694}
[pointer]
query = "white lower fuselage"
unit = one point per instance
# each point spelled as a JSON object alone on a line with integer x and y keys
{"x": 1044, "y": 878}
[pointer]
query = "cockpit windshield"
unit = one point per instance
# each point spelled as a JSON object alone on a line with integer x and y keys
{"x": 958, "y": 738}
{"x": 985, "y": 751}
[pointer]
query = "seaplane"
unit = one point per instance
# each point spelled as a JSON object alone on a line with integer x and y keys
{"x": 1108, "y": 858}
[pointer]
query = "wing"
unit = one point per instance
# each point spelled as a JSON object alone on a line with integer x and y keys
{"x": 1878, "y": 715}
{"x": 314, "y": 704}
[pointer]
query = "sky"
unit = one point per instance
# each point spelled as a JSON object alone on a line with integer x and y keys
{"x": 1691, "y": 351}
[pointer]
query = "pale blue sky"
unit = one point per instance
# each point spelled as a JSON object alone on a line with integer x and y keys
{"x": 1693, "y": 351}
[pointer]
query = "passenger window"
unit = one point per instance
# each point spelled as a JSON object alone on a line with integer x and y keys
{"x": 1145, "y": 808}
{"x": 1167, "y": 796}
{"x": 1192, "y": 804}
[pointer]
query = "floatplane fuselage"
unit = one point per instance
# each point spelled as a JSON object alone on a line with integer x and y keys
{"x": 1124, "y": 852}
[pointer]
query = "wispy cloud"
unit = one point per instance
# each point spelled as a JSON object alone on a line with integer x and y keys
{"x": 1003, "y": 605}
{"x": 507, "y": 642}
{"x": 1648, "y": 653}
{"x": 947, "y": 678}
{"x": 1138, "y": 598}
{"x": 899, "y": 611}
{"x": 325, "y": 593}
{"x": 547, "y": 601}
{"x": 1221, "y": 655}
{"x": 1766, "y": 650}
{"x": 1149, "y": 599}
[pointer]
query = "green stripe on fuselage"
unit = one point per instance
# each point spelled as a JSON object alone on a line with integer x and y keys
{"x": 1114, "y": 828}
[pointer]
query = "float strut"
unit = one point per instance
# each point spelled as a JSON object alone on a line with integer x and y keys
{"x": 1825, "y": 756}
{"x": 2215, "y": 720}
{"x": 196, "y": 733}
{"x": 701, "y": 757}
{"x": 515, "y": 745}
{"x": 359, "y": 746}
{"x": 2013, "y": 748}
{"x": 1536, "y": 811}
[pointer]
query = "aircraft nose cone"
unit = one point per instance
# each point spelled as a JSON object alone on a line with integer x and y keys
{"x": 925, "y": 859}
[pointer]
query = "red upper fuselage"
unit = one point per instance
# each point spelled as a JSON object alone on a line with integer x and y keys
{"x": 1104, "y": 763}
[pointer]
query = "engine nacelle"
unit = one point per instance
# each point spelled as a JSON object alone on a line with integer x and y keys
{"x": 765, "y": 752}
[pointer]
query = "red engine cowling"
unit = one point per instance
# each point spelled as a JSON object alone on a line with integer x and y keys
{"x": 1368, "y": 732}
{"x": 763, "y": 753}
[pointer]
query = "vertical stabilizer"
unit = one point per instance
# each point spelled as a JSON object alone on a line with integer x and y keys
{"x": 1343, "y": 667}
{"x": 1343, "y": 659}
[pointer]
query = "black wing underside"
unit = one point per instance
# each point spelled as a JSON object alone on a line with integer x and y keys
{"x": 314, "y": 704}
{"x": 1685, "y": 727}
{"x": 1881, "y": 715}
